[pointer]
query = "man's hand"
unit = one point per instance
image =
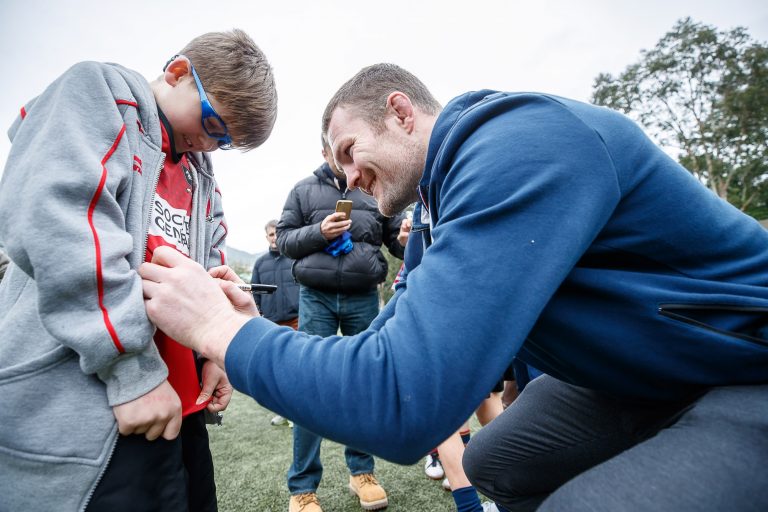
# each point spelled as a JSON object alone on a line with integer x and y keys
{"x": 334, "y": 225}
{"x": 158, "y": 413}
{"x": 189, "y": 305}
{"x": 240, "y": 300}
{"x": 405, "y": 231}
{"x": 216, "y": 386}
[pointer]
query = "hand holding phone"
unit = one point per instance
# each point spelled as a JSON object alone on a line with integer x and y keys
{"x": 333, "y": 226}
{"x": 344, "y": 206}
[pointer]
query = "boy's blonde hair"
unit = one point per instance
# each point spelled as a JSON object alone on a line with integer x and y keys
{"x": 236, "y": 72}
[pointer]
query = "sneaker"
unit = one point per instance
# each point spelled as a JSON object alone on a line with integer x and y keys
{"x": 305, "y": 502}
{"x": 433, "y": 468}
{"x": 490, "y": 506}
{"x": 366, "y": 487}
{"x": 278, "y": 420}
{"x": 446, "y": 484}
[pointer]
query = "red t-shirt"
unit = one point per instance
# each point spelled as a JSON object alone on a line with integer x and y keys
{"x": 169, "y": 226}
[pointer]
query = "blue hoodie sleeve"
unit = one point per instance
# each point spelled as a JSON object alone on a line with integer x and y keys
{"x": 518, "y": 192}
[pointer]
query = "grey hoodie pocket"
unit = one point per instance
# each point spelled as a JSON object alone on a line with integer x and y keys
{"x": 53, "y": 411}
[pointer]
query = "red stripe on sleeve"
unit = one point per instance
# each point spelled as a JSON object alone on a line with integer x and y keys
{"x": 23, "y": 112}
{"x": 127, "y": 102}
{"x": 97, "y": 244}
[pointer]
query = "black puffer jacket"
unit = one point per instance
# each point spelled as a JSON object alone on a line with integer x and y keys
{"x": 274, "y": 268}
{"x": 299, "y": 236}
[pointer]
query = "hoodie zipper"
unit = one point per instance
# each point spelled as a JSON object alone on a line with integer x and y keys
{"x": 151, "y": 201}
{"x": 103, "y": 470}
{"x": 668, "y": 310}
{"x": 143, "y": 255}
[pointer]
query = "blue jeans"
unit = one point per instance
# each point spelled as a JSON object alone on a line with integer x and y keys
{"x": 562, "y": 447}
{"x": 323, "y": 314}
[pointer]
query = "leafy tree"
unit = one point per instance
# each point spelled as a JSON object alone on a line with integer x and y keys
{"x": 703, "y": 94}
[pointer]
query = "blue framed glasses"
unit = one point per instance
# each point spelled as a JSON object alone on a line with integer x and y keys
{"x": 213, "y": 124}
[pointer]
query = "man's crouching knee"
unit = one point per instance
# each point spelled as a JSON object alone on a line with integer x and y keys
{"x": 475, "y": 463}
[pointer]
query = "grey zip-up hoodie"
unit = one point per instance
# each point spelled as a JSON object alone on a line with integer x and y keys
{"x": 75, "y": 202}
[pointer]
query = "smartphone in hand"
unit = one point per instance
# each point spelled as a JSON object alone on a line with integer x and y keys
{"x": 344, "y": 206}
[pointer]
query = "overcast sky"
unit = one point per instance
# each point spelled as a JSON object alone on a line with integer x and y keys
{"x": 556, "y": 46}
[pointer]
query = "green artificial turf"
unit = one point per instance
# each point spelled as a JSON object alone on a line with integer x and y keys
{"x": 251, "y": 458}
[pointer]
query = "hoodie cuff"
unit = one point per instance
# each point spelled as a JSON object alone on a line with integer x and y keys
{"x": 134, "y": 375}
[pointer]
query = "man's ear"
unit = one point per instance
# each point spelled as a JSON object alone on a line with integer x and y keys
{"x": 399, "y": 105}
{"x": 177, "y": 69}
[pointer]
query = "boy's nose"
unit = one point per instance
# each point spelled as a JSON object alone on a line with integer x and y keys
{"x": 208, "y": 143}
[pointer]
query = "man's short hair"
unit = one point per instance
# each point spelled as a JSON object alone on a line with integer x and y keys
{"x": 270, "y": 224}
{"x": 236, "y": 72}
{"x": 367, "y": 93}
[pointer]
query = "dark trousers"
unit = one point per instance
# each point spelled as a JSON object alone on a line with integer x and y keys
{"x": 566, "y": 448}
{"x": 160, "y": 475}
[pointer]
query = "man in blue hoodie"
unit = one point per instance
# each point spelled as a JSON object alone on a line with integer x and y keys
{"x": 588, "y": 253}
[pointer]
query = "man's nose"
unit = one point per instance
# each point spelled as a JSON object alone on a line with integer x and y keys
{"x": 353, "y": 176}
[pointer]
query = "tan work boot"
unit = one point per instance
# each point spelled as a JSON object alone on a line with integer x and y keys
{"x": 306, "y": 502}
{"x": 366, "y": 487}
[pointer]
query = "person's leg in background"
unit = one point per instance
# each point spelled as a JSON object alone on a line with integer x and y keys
{"x": 317, "y": 315}
{"x": 486, "y": 412}
{"x": 511, "y": 389}
{"x": 490, "y": 408}
{"x": 433, "y": 468}
{"x": 452, "y": 451}
{"x": 306, "y": 470}
{"x": 464, "y": 495}
{"x": 356, "y": 312}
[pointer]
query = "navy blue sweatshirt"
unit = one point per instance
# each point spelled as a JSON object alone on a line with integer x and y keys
{"x": 561, "y": 235}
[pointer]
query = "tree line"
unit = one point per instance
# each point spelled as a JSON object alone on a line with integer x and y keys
{"x": 702, "y": 93}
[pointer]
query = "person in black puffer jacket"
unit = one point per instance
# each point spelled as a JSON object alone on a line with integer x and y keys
{"x": 282, "y": 306}
{"x": 338, "y": 290}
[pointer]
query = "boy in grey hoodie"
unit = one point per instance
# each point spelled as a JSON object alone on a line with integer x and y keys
{"x": 104, "y": 168}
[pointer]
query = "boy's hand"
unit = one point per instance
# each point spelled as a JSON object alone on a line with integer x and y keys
{"x": 216, "y": 387}
{"x": 334, "y": 225}
{"x": 158, "y": 413}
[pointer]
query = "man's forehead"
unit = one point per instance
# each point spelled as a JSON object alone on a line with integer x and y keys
{"x": 344, "y": 124}
{"x": 339, "y": 120}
